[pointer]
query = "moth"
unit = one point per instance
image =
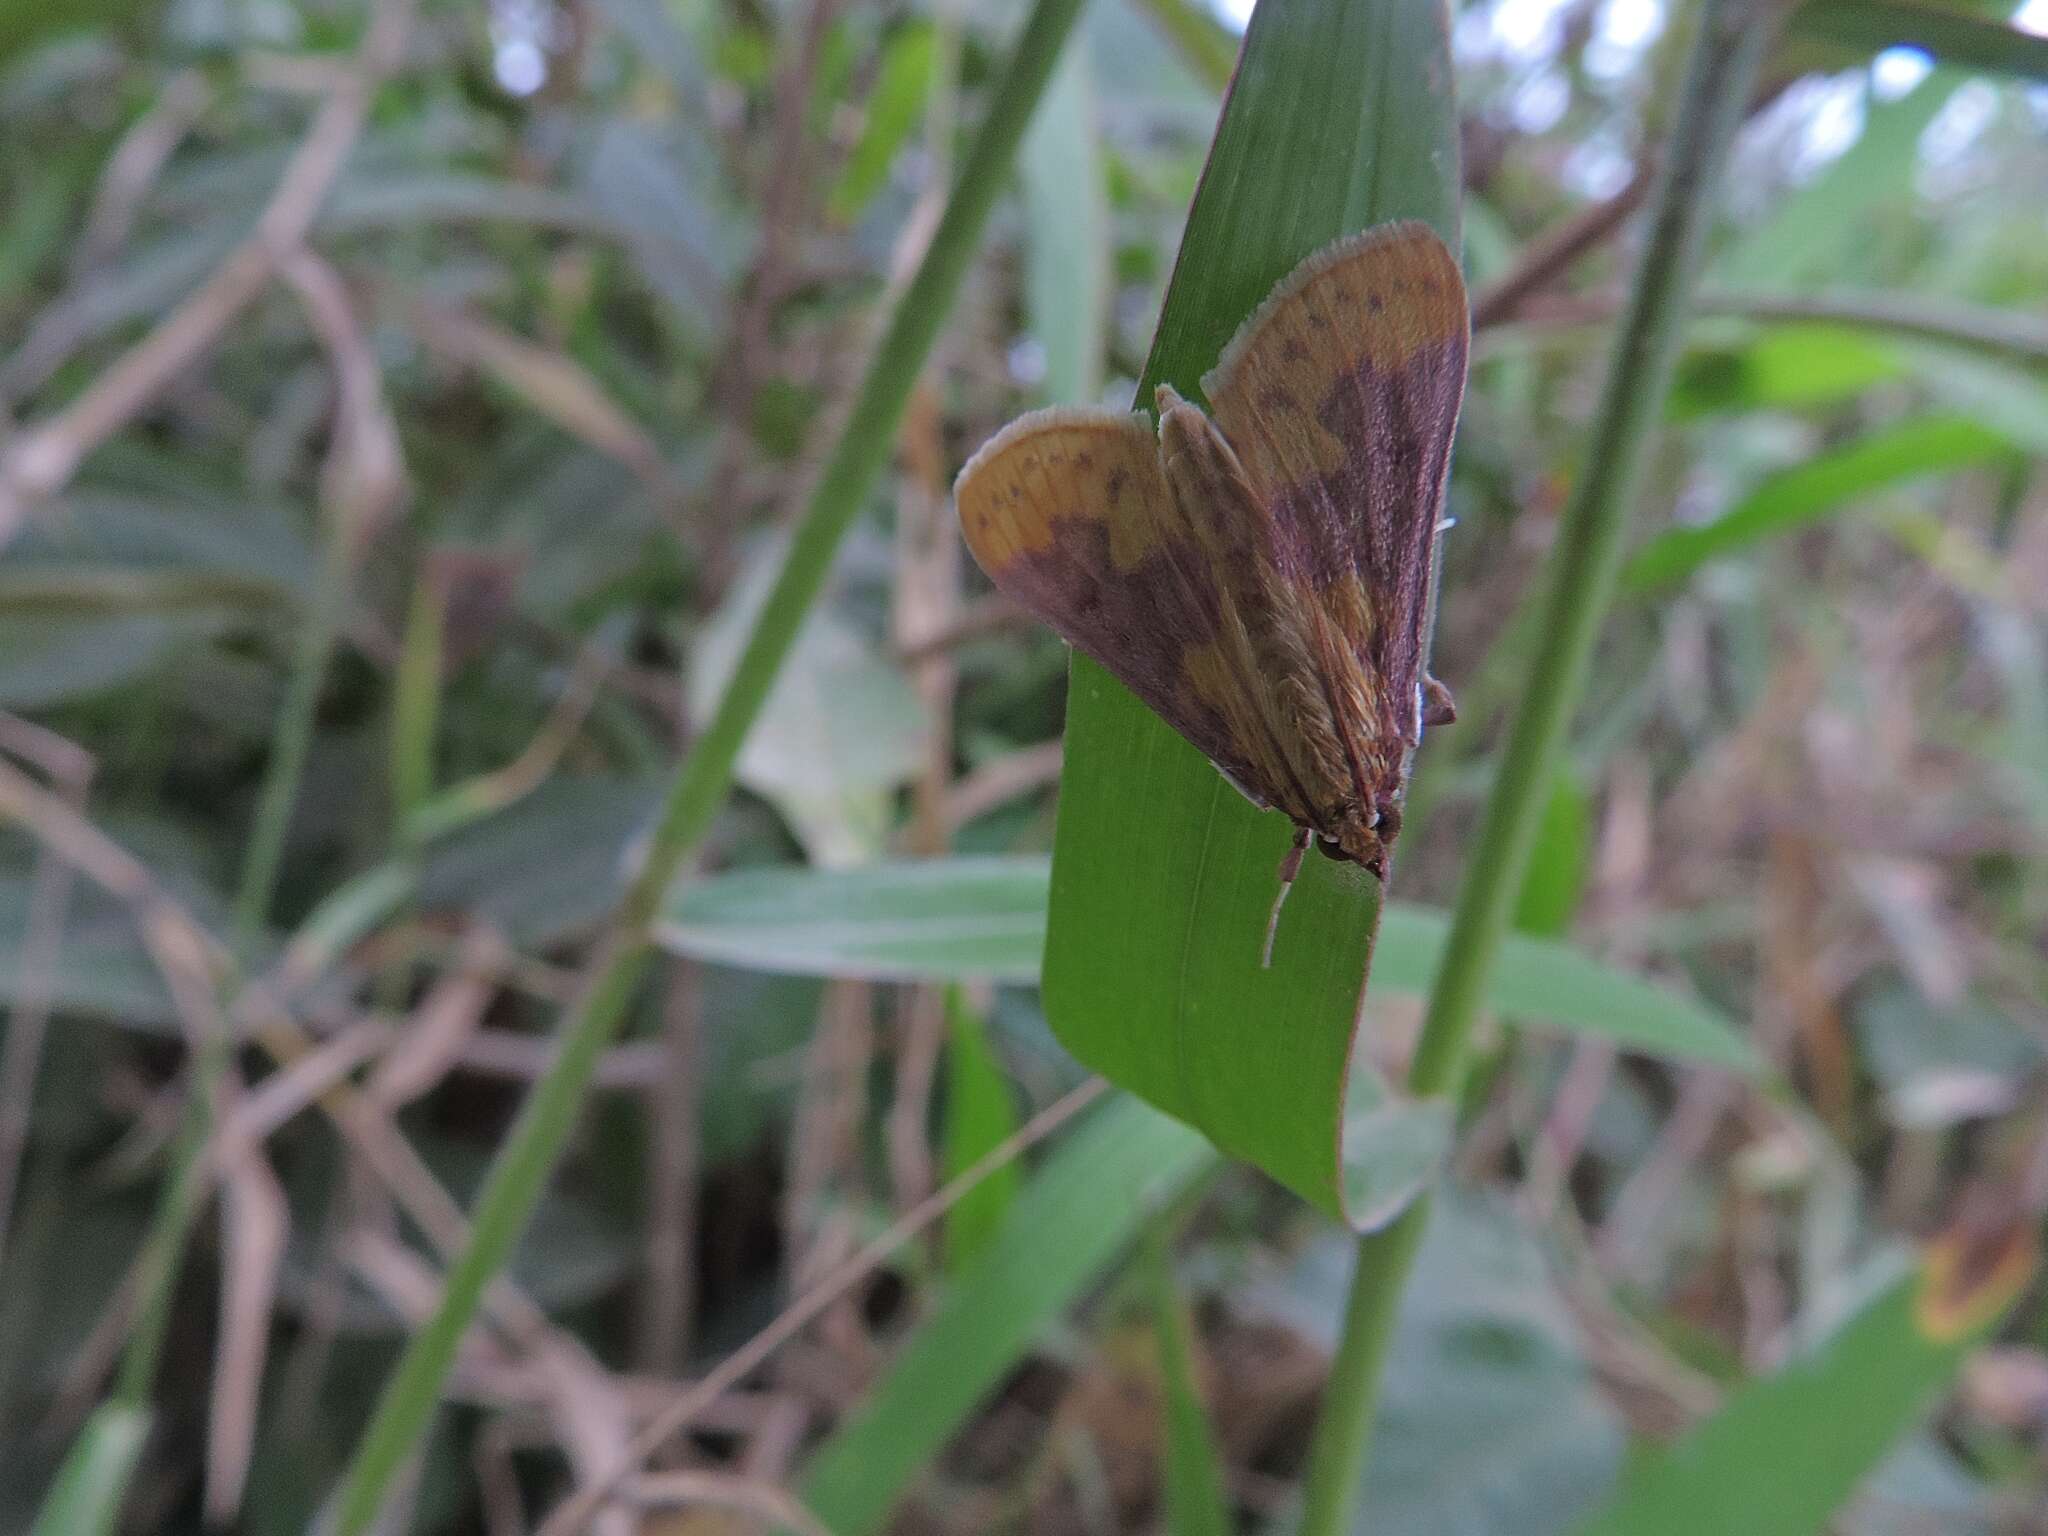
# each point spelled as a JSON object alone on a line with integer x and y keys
{"x": 1261, "y": 575}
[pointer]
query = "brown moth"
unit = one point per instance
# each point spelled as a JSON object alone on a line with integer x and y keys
{"x": 1261, "y": 576}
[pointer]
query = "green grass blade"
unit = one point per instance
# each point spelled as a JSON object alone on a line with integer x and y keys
{"x": 1785, "y": 1452}
{"x": 1340, "y": 117}
{"x": 292, "y": 739}
{"x": 416, "y": 706}
{"x": 891, "y": 111}
{"x": 1105, "y": 1180}
{"x": 517, "y": 1176}
{"x": 85, "y": 1497}
{"x": 981, "y": 1115}
{"x": 1797, "y": 497}
{"x": 1196, "y": 1504}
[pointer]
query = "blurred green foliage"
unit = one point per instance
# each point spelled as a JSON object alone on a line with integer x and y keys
{"x": 608, "y": 269}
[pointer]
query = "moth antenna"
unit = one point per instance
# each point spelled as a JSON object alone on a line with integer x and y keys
{"x": 1290, "y": 866}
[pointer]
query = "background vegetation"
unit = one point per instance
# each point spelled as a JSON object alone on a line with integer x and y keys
{"x": 430, "y": 430}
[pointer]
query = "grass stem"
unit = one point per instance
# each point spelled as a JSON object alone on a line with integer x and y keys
{"x": 519, "y": 1173}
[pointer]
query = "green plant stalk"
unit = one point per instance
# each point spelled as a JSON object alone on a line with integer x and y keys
{"x": 1725, "y": 56}
{"x": 291, "y": 742}
{"x": 416, "y": 709}
{"x": 415, "y": 720}
{"x": 170, "y": 1225}
{"x": 519, "y": 1172}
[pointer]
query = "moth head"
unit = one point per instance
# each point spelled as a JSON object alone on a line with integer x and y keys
{"x": 1365, "y": 837}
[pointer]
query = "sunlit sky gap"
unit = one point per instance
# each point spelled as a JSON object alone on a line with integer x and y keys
{"x": 1525, "y": 35}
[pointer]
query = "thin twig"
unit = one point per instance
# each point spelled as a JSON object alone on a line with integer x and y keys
{"x": 136, "y": 163}
{"x": 1003, "y": 779}
{"x": 745, "y": 360}
{"x": 748, "y": 1358}
{"x": 987, "y": 615}
{"x": 1546, "y": 258}
{"x": 927, "y": 590}
{"x": 255, "y": 1222}
{"x": 669, "y": 1289}
{"x": 2004, "y": 333}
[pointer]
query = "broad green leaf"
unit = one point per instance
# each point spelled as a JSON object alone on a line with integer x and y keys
{"x": 1340, "y": 117}
{"x": 1109, "y": 1176}
{"x": 85, "y": 1499}
{"x": 1951, "y": 34}
{"x": 1066, "y": 251}
{"x": 980, "y": 1116}
{"x": 112, "y": 586}
{"x": 1196, "y": 1504}
{"x": 962, "y": 918}
{"x": 1788, "y": 1450}
{"x": 1796, "y": 497}
{"x": 1549, "y": 985}
{"x": 939, "y": 919}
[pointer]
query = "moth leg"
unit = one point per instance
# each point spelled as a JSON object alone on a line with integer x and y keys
{"x": 1290, "y": 866}
{"x": 1438, "y": 707}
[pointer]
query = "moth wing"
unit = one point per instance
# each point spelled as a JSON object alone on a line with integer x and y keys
{"x": 1070, "y": 513}
{"x": 1340, "y": 395}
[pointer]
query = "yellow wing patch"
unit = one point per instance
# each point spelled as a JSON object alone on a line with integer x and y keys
{"x": 1057, "y": 466}
{"x": 1380, "y": 302}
